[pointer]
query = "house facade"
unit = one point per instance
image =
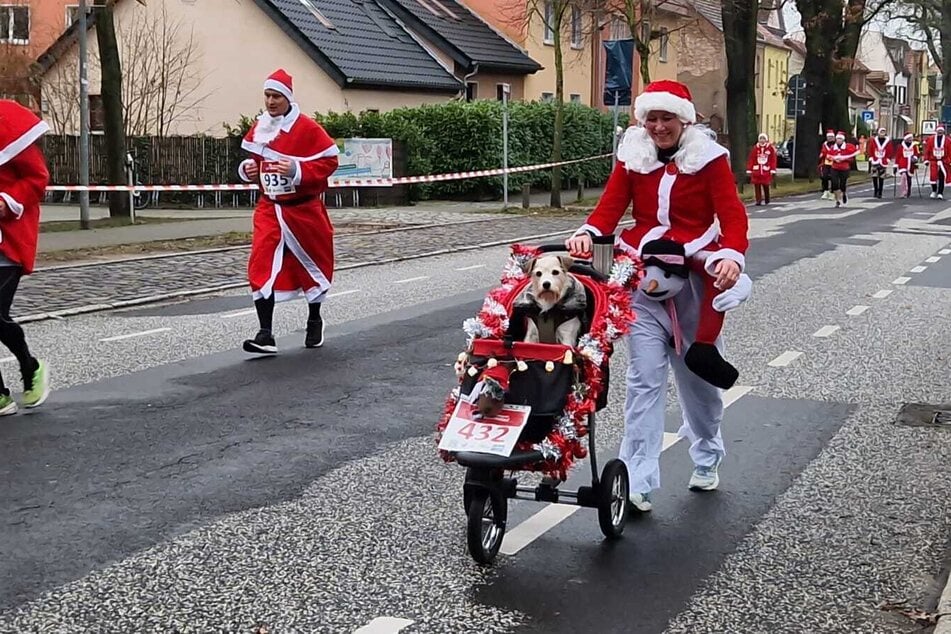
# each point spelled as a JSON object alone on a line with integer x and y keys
{"x": 772, "y": 75}
{"x": 702, "y": 63}
{"x": 343, "y": 57}
{"x": 27, "y": 28}
{"x": 888, "y": 55}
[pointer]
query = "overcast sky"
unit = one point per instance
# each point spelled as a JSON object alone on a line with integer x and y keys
{"x": 892, "y": 28}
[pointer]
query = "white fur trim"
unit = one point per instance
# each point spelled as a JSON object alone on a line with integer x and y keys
{"x": 666, "y": 102}
{"x": 693, "y": 247}
{"x": 723, "y": 254}
{"x": 586, "y": 227}
{"x": 297, "y": 174}
{"x": 15, "y": 206}
{"x": 284, "y": 89}
{"x": 271, "y": 155}
{"x": 27, "y": 139}
{"x": 242, "y": 166}
{"x": 698, "y": 147}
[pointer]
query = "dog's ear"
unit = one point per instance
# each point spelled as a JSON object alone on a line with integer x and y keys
{"x": 529, "y": 265}
{"x": 566, "y": 262}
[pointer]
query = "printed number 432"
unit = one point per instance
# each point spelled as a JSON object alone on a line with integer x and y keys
{"x": 469, "y": 430}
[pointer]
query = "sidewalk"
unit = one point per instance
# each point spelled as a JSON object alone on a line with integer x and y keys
{"x": 194, "y": 223}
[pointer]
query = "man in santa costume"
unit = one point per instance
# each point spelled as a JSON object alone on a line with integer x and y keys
{"x": 292, "y": 250}
{"x": 761, "y": 167}
{"x": 688, "y": 217}
{"x": 939, "y": 162}
{"x": 23, "y": 180}
{"x": 825, "y": 165}
{"x": 841, "y": 154}
{"x": 906, "y": 163}
{"x": 879, "y": 156}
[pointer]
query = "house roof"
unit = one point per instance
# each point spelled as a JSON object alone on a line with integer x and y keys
{"x": 64, "y": 42}
{"x": 795, "y": 45}
{"x": 768, "y": 37}
{"x": 461, "y": 34}
{"x": 359, "y": 44}
{"x": 711, "y": 11}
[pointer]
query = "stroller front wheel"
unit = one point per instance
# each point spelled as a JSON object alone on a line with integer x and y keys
{"x": 485, "y": 528}
{"x": 612, "y": 498}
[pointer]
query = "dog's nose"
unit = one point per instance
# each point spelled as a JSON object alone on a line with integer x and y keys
{"x": 546, "y": 285}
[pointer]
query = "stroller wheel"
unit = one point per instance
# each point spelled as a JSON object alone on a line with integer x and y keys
{"x": 612, "y": 499}
{"x": 484, "y": 530}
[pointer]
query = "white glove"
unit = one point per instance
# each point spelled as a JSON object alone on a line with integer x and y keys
{"x": 733, "y": 297}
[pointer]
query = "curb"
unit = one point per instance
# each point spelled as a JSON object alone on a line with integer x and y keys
{"x": 153, "y": 299}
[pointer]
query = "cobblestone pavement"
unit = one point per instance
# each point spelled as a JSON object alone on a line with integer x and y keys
{"x": 66, "y": 288}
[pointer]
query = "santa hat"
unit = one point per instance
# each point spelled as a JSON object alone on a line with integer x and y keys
{"x": 667, "y": 96}
{"x": 940, "y": 128}
{"x": 840, "y": 135}
{"x": 281, "y": 82}
{"x": 881, "y": 130}
{"x": 909, "y": 136}
{"x": 763, "y": 135}
{"x": 830, "y": 133}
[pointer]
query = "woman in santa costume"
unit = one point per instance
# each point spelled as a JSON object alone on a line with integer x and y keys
{"x": 690, "y": 221}
{"x": 939, "y": 162}
{"x": 906, "y": 162}
{"x": 825, "y": 165}
{"x": 879, "y": 156}
{"x": 292, "y": 250}
{"x": 23, "y": 180}
{"x": 761, "y": 167}
{"x": 841, "y": 155}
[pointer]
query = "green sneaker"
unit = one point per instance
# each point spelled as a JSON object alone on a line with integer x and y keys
{"x": 36, "y": 388}
{"x": 7, "y": 405}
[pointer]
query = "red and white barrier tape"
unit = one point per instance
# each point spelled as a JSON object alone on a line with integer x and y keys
{"x": 334, "y": 182}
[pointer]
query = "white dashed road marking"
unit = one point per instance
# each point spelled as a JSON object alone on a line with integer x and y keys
{"x": 785, "y": 359}
{"x": 901, "y": 280}
{"x": 412, "y": 279}
{"x": 384, "y": 625}
{"x": 553, "y": 514}
{"x": 470, "y": 268}
{"x": 856, "y": 310}
{"x": 918, "y": 269}
{"x": 131, "y": 335}
{"x": 825, "y": 331}
{"x": 933, "y": 259}
{"x": 342, "y": 293}
{"x": 240, "y": 313}
{"x": 882, "y": 294}
{"x": 944, "y": 252}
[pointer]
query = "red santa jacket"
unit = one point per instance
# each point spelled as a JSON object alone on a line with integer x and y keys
{"x": 825, "y": 154}
{"x": 691, "y": 200}
{"x": 761, "y": 164}
{"x": 936, "y": 153}
{"x": 842, "y": 156}
{"x": 880, "y": 152}
{"x": 904, "y": 153}
{"x": 300, "y": 140}
{"x": 23, "y": 181}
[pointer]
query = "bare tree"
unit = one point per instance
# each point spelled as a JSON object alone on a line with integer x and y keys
{"x": 162, "y": 86}
{"x": 61, "y": 97}
{"x": 17, "y": 74}
{"x": 641, "y": 17}
{"x": 930, "y": 21}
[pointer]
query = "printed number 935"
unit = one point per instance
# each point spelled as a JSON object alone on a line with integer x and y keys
{"x": 271, "y": 180}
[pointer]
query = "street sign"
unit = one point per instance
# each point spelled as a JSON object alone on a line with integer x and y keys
{"x": 928, "y": 126}
{"x": 868, "y": 115}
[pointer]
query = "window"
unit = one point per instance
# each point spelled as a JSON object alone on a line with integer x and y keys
{"x": 548, "y": 96}
{"x": 575, "y": 98}
{"x": 97, "y": 116}
{"x": 472, "y": 90}
{"x": 14, "y": 24}
{"x": 576, "y": 24}
{"x": 664, "y": 41}
{"x": 549, "y": 21}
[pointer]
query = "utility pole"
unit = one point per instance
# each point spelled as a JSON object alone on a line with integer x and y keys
{"x": 83, "y": 120}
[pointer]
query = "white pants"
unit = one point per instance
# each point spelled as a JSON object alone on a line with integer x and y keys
{"x": 650, "y": 353}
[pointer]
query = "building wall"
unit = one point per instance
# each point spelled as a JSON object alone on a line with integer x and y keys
{"x": 47, "y": 22}
{"x": 660, "y": 68}
{"x": 229, "y": 80}
{"x": 701, "y": 64}
{"x": 577, "y": 62}
{"x": 507, "y": 16}
{"x": 775, "y": 74}
{"x": 488, "y": 85}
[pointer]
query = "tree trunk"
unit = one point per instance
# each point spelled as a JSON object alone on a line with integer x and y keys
{"x": 739, "y": 35}
{"x": 559, "y": 111}
{"x": 836, "y": 108}
{"x": 821, "y": 20}
{"x": 111, "y": 91}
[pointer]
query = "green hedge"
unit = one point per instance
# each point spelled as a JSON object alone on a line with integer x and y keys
{"x": 460, "y": 136}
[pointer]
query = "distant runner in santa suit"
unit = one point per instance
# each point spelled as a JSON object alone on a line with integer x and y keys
{"x": 292, "y": 248}
{"x": 23, "y": 180}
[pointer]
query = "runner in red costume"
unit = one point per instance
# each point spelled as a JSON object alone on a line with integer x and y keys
{"x": 761, "y": 166}
{"x": 841, "y": 155}
{"x": 292, "y": 249}
{"x": 939, "y": 162}
{"x": 880, "y": 151}
{"x": 23, "y": 180}
{"x": 906, "y": 162}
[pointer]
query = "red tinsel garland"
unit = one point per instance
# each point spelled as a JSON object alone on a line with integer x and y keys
{"x": 563, "y": 445}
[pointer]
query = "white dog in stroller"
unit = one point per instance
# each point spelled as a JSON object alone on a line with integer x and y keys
{"x": 553, "y": 303}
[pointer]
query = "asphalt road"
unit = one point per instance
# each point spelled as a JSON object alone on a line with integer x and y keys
{"x": 173, "y": 484}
